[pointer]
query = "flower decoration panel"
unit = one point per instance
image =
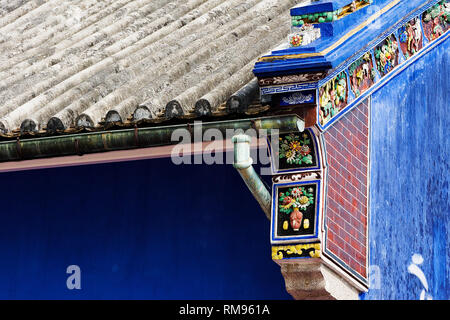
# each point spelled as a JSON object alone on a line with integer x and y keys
{"x": 295, "y": 211}
{"x": 294, "y": 152}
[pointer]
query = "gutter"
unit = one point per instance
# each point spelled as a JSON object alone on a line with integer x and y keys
{"x": 113, "y": 140}
{"x": 243, "y": 163}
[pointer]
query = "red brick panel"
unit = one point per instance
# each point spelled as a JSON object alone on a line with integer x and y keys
{"x": 346, "y": 213}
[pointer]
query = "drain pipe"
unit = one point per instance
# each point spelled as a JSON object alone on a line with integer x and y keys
{"x": 243, "y": 163}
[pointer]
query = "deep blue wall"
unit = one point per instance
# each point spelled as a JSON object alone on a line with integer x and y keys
{"x": 138, "y": 230}
{"x": 409, "y": 191}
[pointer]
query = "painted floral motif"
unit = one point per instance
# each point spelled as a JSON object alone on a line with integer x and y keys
{"x": 304, "y": 77}
{"x": 296, "y": 40}
{"x": 386, "y": 55}
{"x": 295, "y": 150}
{"x": 436, "y": 20}
{"x": 362, "y": 74}
{"x": 294, "y": 200}
{"x": 303, "y": 35}
{"x": 296, "y": 251}
{"x": 410, "y": 37}
{"x": 298, "y": 98}
{"x": 333, "y": 97}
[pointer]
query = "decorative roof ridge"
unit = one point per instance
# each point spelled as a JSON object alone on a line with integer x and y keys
{"x": 330, "y": 51}
{"x": 348, "y": 74}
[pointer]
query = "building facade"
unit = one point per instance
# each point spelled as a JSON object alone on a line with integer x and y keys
{"x": 349, "y": 151}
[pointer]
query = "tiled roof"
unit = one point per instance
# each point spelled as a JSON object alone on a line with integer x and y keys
{"x": 75, "y": 63}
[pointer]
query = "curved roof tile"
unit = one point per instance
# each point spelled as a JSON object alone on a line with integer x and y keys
{"x": 71, "y": 63}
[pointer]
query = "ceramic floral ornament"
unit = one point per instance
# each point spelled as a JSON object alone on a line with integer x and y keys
{"x": 303, "y": 35}
{"x": 294, "y": 200}
{"x": 296, "y": 40}
{"x": 296, "y": 150}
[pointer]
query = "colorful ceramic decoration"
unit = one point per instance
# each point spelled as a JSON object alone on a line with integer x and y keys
{"x": 296, "y": 151}
{"x": 315, "y": 18}
{"x": 410, "y": 37}
{"x": 362, "y": 74}
{"x": 309, "y": 250}
{"x": 386, "y": 55}
{"x": 295, "y": 211}
{"x": 329, "y": 16}
{"x": 365, "y": 71}
{"x": 333, "y": 97}
{"x": 436, "y": 20}
{"x": 303, "y": 35}
{"x": 292, "y": 202}
{"x": 295, "y": 40}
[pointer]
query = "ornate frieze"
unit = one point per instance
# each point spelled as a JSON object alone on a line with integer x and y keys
{"x": 436, "y": 20}
{"x": 373, "y": 65}
{"x": 386, "y": 55}
{"x": 410, "y": 37}
{"x": 305, "y": 77}
{"x": 340, "y": 89}
{"x": 362, "y": 74}
{"x": 296, "y": 177}
{"x": 309, "y": 250}
{"x": 333, "y": 97}
{"x": 287, "y": 88}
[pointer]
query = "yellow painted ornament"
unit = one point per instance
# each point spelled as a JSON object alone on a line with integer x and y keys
{"x": 306, "y": 223}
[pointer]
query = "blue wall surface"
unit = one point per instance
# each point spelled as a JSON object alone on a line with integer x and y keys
{"x": 409, "y": 191}
{"x": 138, "y": 230}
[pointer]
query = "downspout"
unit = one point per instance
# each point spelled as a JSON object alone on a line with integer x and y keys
{"x": 243, "y": 163}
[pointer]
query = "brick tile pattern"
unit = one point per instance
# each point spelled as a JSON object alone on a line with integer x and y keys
{"x": 347, "y": 147}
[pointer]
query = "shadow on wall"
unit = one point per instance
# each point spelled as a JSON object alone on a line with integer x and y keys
{"x": 136, "y": 230}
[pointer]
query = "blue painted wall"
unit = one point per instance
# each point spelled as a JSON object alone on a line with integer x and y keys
{"x": 138, "y": 230}
{"x": 410, "y": 152}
